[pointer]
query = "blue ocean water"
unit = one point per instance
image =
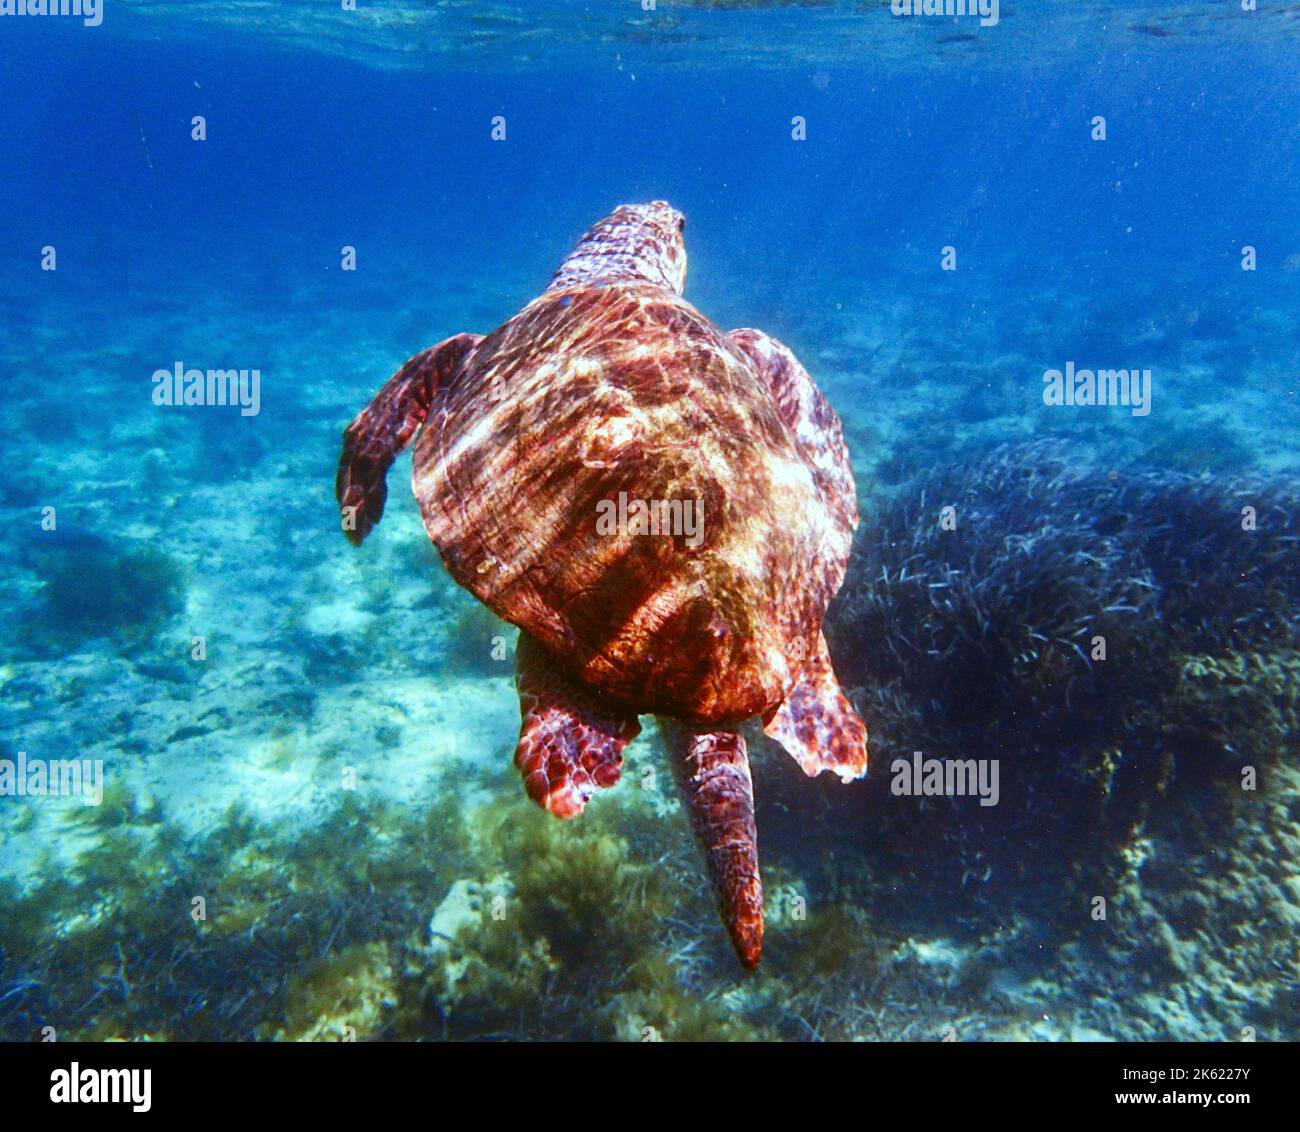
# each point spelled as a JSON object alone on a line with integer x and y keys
{"x": 316, "y": 742}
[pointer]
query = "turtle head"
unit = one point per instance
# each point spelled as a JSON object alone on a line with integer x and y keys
{"x": 636, "y": 243}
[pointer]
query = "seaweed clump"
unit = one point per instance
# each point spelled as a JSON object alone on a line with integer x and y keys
{"x": 572, "y": 933}
{"x": 1110, "y": 638}
{"x": 238, "y": 934}
{"x": 94, "y": 588}
{"x": 374, "y": 924}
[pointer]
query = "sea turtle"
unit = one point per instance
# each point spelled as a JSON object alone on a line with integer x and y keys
{"x": 662, "y": 508}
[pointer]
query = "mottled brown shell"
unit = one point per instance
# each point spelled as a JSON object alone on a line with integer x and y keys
{"x": 589, "y": 392}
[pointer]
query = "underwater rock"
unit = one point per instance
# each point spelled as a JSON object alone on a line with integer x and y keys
{"x": 455, "y": 923}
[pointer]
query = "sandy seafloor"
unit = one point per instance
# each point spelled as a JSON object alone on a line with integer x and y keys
{"x": 370, "y": 907}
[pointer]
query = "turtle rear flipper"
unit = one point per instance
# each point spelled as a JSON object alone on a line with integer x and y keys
{"x": 712, "y": 769}
{"x": 385, "y": 427}
{"x": 816, "y": 723}
{"x": 570, "y": 741}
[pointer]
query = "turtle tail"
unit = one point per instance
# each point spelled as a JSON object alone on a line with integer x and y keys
{"x": 385, "y": 427}
{"x": 712, "y": 770}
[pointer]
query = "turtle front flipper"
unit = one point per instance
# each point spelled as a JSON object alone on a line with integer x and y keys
{"x": 570, "y": 741}
{"x": 385, "y": 427}
{"x": 816, "y": 723}
{"x": 817, "y": 430}
{"x": 712, "y": 769}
